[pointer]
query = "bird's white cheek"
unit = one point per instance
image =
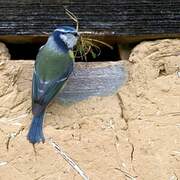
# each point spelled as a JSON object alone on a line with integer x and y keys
{"x": 63, "y": 37}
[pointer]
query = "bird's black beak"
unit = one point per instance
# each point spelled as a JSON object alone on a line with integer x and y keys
{"x": 76, "y": 34}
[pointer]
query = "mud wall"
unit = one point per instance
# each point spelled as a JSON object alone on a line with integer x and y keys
{"x": 132, "y": 133}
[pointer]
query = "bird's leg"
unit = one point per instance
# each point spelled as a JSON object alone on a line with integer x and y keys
{"x": 34, "y": 148}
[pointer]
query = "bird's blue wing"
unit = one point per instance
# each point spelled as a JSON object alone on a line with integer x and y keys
{"x": 44, "y": 91}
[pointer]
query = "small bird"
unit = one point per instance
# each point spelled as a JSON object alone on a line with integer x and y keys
{"x": 54, "y": 63}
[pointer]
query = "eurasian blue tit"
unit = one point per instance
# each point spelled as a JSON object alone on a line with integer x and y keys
{"x": 54, "y": 64}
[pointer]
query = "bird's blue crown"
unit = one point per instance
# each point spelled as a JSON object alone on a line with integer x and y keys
{"x": 62, "y": 37}
{"x": 66, "y": 29}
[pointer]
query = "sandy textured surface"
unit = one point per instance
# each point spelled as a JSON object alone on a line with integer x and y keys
{"x": 133, "y": 133}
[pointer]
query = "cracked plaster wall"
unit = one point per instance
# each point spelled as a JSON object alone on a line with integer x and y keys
{"x": 132, "y": 133}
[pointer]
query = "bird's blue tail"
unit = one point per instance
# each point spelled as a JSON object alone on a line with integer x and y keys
{"x": 35, "y": 134}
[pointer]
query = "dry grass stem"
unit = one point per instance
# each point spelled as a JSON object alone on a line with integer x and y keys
{"x": 127, "y": 174}
{"x": 69, "y": 160}
{"x": 86, "y": 45}
{"x": 2, "y": 163}
{"x": 6, "y": 120}
{"x": 12, "y": 136}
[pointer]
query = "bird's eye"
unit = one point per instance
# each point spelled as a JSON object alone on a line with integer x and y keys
{"x": 75, "y": 34}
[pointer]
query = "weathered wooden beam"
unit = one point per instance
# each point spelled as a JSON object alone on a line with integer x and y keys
{"x": 118, "y": 18}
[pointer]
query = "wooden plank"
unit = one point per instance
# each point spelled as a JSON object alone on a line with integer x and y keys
{"x": 121, "y": 18}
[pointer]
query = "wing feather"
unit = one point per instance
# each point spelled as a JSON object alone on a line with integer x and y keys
{"x": 44, "y": 90}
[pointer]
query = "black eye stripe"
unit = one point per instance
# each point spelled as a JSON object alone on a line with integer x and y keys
{"x": 74, "y": 33}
